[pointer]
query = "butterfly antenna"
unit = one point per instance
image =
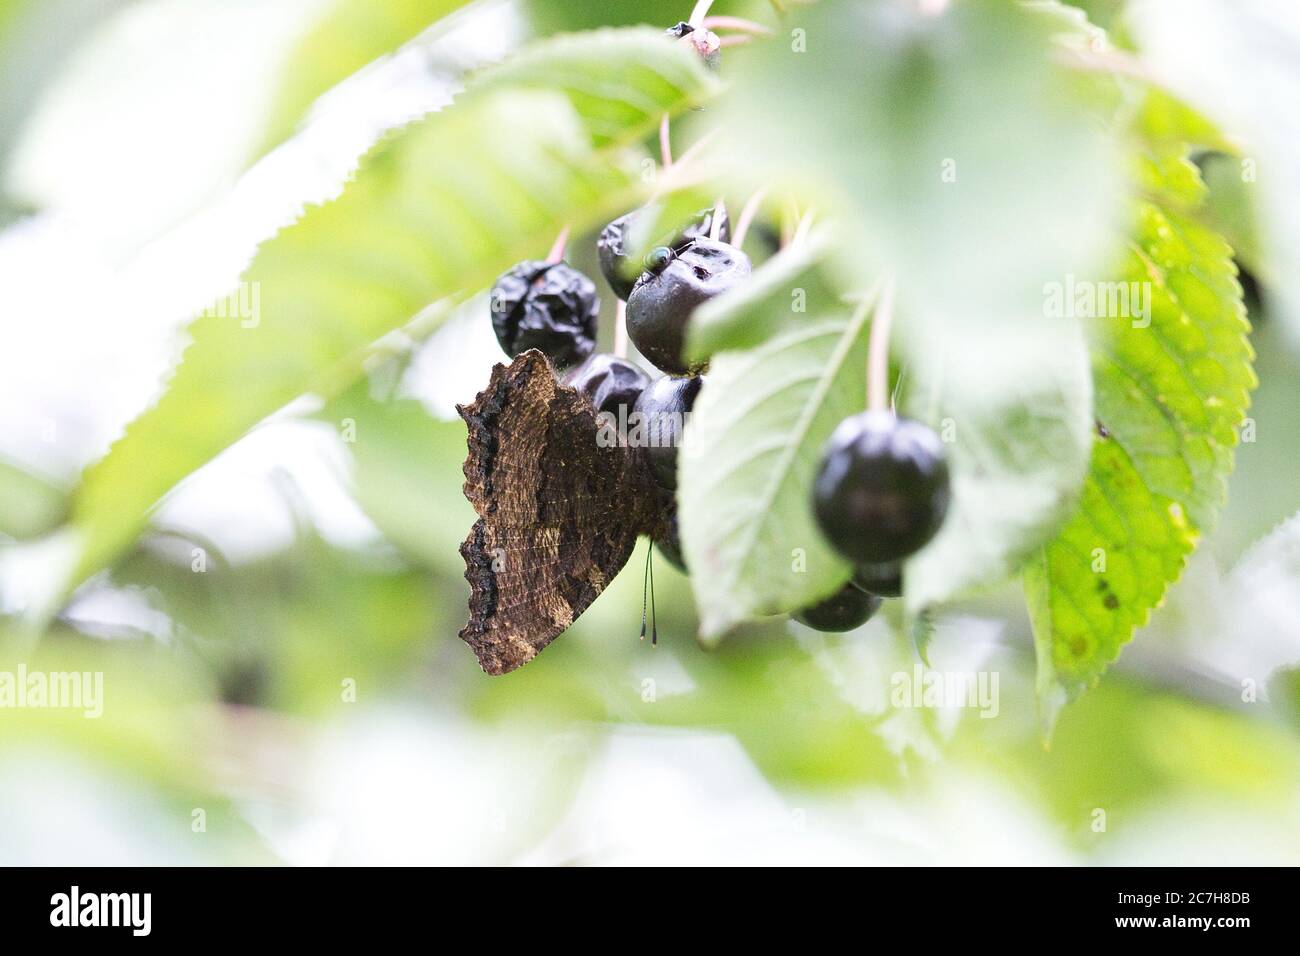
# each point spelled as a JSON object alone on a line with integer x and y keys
{"x": 654, "y": 613}
{"x": 645, "y": 578}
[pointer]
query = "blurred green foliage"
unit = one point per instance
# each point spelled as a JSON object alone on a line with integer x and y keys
{"x": 424, "y": 221}
{"x": 30, "y": 505}
{"x": 312, "y": 699}
{"x": 36, "y": 36}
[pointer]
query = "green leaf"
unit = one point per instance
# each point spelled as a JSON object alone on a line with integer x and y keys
{"x": 1240, "y": 64}
{"x": 1013, "y": 402}
{"x": 1223, "y": 197}
{"x": 554, "y": 16}
{"x": 1015, "y": 411}
{"x": 922, "y": 629}
{"x": 1073, "y": 26}
{"x": 1169, "y": 397}
{"x": 662, "y": 218}
{"x": 1168, "y": 124}
{"x": 30, "y": 505}
{"x": 752, "y": 446}
{"x": 617, "y": 80}
{"x": 1230, "y": 211}
{"x": 954, "y": 153}
{"x": 955, "y": 204}
{"x": 436, "y": 211}
{"x": 1168, "y": 130}
{"x": 349, "y": 35}
{"x": 779, "y": 297}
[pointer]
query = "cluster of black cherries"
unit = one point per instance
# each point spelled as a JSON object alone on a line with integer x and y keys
{"x": 882, "y": 489}
{"x": 552, "y": 307}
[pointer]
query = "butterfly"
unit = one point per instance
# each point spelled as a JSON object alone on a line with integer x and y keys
{"x": 559, "y": 512}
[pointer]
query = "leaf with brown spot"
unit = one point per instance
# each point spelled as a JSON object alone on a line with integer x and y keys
{"x": 1170, "y": 392}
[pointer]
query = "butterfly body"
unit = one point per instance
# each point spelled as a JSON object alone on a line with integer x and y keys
{"x": 559, "y": 511}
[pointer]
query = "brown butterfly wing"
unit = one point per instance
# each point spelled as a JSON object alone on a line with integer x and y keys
{"x": 559, "y": 515}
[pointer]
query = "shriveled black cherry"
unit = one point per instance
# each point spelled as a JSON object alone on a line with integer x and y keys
{"x": 549, "y": 306}
{"x": 883, "y": 488}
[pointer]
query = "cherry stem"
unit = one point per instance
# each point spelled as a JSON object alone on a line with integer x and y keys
{"x": 715, "y": 224}
{"x": 801, "y": 230}
{"x": 620, "y": 329}
{"x": 789, "y": 216}
{"x": 557, "y": 247}
{"x": 694, "y": 149}
{"x": 747, "y": 215}
{"x": 665, "y": 143}
{"x": 699, "y": 13}
{"x": 878, "y": 350}
{"x": 682, "y": 174}
{"x": 736, "y": 23}
{"x": 1106, "y": 61}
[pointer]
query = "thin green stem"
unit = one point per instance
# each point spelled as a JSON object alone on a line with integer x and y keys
{"x": 557, "y": 247}
{"x": 620, "y": 329}
{"x": 736, "y": 23}
{"x": 746, "y": 218}
{"x": 715, "y": 224}
{"x": 878, "y": 350}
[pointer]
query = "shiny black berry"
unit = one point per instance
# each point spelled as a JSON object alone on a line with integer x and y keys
{"x": 547, "y": 306}
{"x": 883, "y": 579}
{"x": 662, "y": 302}
{"x": 883, "y": 488}
{"x": 611, "y": 383}
{"x": 848, "y": 608}
{"x": 614, "y": 244}
{"x": 656, "y": 428}
{"x": 669, "y": 544}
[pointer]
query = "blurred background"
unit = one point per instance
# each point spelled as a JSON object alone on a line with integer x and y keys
{"x": 282, "y": 679}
